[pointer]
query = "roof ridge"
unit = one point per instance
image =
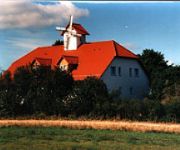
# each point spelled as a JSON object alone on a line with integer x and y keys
{"x": 77, "y": 23}
{"x": 114, "y": 44}
{"x": 43, "y": 58}
{"x": 48, "y": 46}
{"x": 99, "y": 41}
{"x": 68, "y": 56}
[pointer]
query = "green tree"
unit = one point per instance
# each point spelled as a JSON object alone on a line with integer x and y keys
{"x": 155, "y": 64}
{"x": 58, "y": 42}
{"x": 89, "y": 97}
{"x": 34, "y": 91}
{"x": 8, "y": 104}
{"x": 171, "y": 90}
{"x": 48, "y": 89}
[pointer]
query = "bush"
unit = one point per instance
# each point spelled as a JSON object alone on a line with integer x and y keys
{"x": 173, "y": 111}
{"x": 44, "y": 92}
{"x": 88, "y": 97}
{"x": 34, "y": 91}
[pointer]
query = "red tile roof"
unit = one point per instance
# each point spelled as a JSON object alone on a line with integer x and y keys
{"x": 93, "y": 58}
{"x": 79, "y": 28}
{"x": 44, "y": 61}
{"x": 70, "y": 59}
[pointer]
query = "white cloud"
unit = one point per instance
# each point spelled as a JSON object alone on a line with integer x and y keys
{"x": 26, "y": 13}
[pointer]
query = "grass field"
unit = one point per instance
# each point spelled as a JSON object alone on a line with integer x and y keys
{"x": 56, "y": 138}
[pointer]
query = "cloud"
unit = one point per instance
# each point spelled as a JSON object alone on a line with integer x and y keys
{"x": 26, "y": 13}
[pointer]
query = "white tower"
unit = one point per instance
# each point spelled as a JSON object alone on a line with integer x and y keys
{"x": 74, "y": 35}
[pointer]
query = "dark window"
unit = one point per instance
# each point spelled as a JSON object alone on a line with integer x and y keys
{"x": 119, "y": 71}
{"x": 113, "y": 71}
{"x": 131, "y": 90}
{"x": 136, "y": 72}
{"x": 130, "y": 72}
{"x": 120, "y": 90}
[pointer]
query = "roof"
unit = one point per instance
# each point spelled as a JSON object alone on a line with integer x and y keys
{"x": 93, "y": 58}
{"x": 70, "y": 59}
{"x": 44, "y": 61}
{"x": 79, "y": 29}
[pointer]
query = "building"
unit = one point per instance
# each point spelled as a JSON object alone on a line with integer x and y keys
{"x": 118, "y": 67}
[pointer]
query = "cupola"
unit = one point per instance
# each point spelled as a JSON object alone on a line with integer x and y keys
{"x": 74, "y": 35}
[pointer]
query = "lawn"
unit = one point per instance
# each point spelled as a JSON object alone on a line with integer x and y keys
{"x": 56, "y": 138}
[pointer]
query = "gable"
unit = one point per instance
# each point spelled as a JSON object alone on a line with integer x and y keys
{"x": 63, "y": 62}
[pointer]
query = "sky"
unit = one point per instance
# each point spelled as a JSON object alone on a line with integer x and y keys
{"x": 26, "y": 25}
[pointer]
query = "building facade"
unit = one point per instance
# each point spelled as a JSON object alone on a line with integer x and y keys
{"x": 127, "y": 77}
{"x": 119, "y": 68}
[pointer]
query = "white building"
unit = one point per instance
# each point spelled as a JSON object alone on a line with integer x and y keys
{"x": 118, "y": 67}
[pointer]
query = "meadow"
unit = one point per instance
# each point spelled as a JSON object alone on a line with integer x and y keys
{"x": 57, "y": 138}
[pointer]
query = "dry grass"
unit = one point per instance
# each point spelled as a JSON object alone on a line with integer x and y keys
{"x": 97, "y": 124}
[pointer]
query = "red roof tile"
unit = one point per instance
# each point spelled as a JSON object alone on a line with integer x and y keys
{"x": 93, "y": 58}
{"x": 80, "y": 29}
{"x": 44, "y": 61}
{"x": 70, "y": 59}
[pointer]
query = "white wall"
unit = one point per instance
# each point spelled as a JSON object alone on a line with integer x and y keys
{"x": 140, "y": 85}
{"x": 74, "y": 41}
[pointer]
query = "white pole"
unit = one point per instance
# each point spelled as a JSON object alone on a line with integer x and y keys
{"x": 71, "y": 22}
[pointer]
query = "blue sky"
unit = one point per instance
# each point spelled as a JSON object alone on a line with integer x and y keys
{"x": 136, "y": 25}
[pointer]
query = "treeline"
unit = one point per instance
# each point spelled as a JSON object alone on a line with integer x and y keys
{"x": 42, "y": 92}
{"x": 165, "y": 79}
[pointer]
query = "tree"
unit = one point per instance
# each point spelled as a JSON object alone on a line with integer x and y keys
{"x": 48, "y": 89}
{"x": 8, "y": 105}
{"x": 155, "y": 64}
{"x": 58, "y": 42}
{"x": 88, "y": 97}
{"x": 171, "y": 90}
{"x": 153, "y": 60}
{"x": 34, "y": 91}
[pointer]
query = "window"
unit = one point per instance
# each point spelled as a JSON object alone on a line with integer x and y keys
{"x": 136, "y": 72}
{"x": 120, "y": 90}
{"x": 131, "y": 90}
{"x": 130, "y": 72}
{"x": 119, "y": 71}
{"x": 113, "y": 71}
{"x": 64, "y": 67}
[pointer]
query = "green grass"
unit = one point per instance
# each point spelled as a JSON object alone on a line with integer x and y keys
{"x": 54, "y": 138}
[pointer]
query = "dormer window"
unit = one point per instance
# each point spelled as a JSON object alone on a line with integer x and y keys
{"x": 68, "y": 63}
{"x": 41, "y": 62}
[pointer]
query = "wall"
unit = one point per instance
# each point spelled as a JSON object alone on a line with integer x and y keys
{"x": 140, "y": 85}
{"x": 74, "y": 41}
{"x": 63, "y": 64}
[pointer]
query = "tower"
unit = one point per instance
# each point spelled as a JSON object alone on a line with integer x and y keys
{"x": 74, "y": 35}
